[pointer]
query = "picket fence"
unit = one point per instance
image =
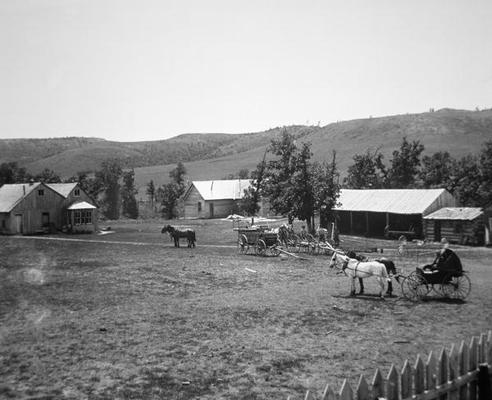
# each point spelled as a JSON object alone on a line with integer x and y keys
{"x": 462, "y": 374}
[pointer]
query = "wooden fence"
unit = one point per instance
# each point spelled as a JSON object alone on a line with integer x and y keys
{"x": 462, "y": 374}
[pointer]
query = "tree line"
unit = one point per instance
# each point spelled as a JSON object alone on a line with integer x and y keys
{"x": 298, "y": 187}
{"x": 111, "y": 187}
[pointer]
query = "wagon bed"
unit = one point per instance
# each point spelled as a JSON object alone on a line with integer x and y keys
{"x": 262, "y": 241}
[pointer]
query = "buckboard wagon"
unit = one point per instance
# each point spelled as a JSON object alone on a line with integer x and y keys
{"x": 262, "y": 241}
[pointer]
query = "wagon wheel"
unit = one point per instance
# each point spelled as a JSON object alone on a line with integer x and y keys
{"x": 261, "y": 247}
{"x": 275, "y": 249}
{"x": 242, "y": 244}
{"x": 415, "y": 287}
{"x": 456, "y": 287}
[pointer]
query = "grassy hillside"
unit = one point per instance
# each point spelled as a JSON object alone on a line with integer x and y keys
{"x": 214, "y": 156}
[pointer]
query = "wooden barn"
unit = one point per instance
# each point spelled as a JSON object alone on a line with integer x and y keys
{"x": 31, "y": 208}
{"x": 465, "y": 225}
{"x": 214, "y": 199}
{"x": 388, "y": 212}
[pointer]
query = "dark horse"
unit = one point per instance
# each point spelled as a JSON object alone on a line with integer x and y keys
{"x": 390, "y": 269}
{"x": 176, "y": 234}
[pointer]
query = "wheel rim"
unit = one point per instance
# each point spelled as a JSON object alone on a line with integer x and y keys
{"x": 260, "y": 247}
{"x": 414, "y": 287}
{"x": 458, "y": 287}
{"x": 242, "y": 244}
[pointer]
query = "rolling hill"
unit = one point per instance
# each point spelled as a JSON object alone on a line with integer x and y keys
{"x": 215, "y": 155}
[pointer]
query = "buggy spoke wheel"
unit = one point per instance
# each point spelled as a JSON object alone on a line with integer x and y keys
{"x": 456, "y": 287}
{"x": 242, "y": 244}
{"x": 261, "y": 247}
{"x": 414, "y": 287}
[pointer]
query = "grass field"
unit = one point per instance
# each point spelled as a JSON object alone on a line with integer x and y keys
{"x": 127, "y": 316}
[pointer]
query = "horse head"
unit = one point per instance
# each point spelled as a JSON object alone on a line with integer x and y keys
{"x": 167, "y": 228}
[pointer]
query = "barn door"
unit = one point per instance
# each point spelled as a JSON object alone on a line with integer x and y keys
{"x": 211, "y": 210}
{"x": 18, "y": 223}
{"x": 437, "y": 231}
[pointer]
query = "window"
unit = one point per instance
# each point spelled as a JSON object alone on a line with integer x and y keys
{"x": 82, "y": 217}
{"x": 458, "y": 227}
{"x": 41, "y": 192}
{"x": 3, "y": 224}
{"x": 199, "y": 207}
{"x": 76, "y": 192}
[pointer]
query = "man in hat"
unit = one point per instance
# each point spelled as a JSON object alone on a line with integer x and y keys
{"x": 446, "y": 259}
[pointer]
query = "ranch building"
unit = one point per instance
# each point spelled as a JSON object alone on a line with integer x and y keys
{"x": 79, "y": 214}
{"x": 214, "y": 199}
{"x": 464, "y": 225}
{"x": 388, "y": 212}
{"x": 32, "y": 208}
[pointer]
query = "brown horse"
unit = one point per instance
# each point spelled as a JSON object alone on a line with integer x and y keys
{"x": 176, "y": 234}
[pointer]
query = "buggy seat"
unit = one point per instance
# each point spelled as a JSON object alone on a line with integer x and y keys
{"x": 446, "y": 265}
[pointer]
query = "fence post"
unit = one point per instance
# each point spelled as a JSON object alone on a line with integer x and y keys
{"x": 406, "y": 380}
{"x": 453, "y": 371}
{"x": 443, "y": 371}
{"x": 484, "y": 391}
{"x": 489, "y": 348}
{"x": 362, "y": 389}
{"x": 346, "y": 392}
{"x": 419, "y": 375}
{"x": 473, "y": 367}
{"x": 464, "y": 367}
{"x": 430, "y": 372}
{"x": 328, "y": 394}
{"x": 392, "y": 384}
{"x": 377, "y": 385}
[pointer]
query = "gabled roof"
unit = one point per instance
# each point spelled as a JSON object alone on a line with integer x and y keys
{"x": 456, "y": 213}
{"x": 81, "y": 205}
{"x": 222, "y": 189}
{"x": 62, "y": 188}
{"x": 397, "y": 201}
{"x": 12, "y": 194}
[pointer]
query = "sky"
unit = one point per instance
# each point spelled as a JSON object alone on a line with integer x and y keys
{"x": 131, "y": 70}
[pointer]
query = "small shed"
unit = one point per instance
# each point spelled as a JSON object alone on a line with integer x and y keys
{"x": 82, "y": 217}
{"x": 388, "y": 212}
{"x": 462, "y": 225}
{"x": 214, "y": 199}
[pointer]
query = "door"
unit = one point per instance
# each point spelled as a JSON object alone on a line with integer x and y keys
{"x": 18, "y": 223}
{"x": 45, "y": 219}
{"x": 437, "y": 231}
{"x": 211, "y": 210}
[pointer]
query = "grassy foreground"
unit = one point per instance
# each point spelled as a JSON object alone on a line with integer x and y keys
{"x": 127, "y": 316}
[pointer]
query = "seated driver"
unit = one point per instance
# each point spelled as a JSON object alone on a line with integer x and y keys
{"x": 446, "y": 259}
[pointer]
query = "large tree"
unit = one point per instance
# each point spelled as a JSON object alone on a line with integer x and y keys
{"x": 128, "y": 192}
{"x": 11, "y": 173}
{"x": 278, "y": 174}
{"x": 170, "y": 193}
{"x": 326, "y": 188}
{"x": 368, "y": 171}
{"x": 436, "y": 170}
{"x": 151, "y": 191}
{"x": 405, "y": 165}
{"x": 108, "y": 177}
{"x": 250, "y": 203}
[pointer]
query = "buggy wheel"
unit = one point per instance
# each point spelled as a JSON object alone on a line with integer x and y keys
{"x": 242, "y": 244}
{"x": 275, "y": 249}
{"x": 260, "y": 247}
{"x": 414, "y": 287}
{"x": 456, "y": 287}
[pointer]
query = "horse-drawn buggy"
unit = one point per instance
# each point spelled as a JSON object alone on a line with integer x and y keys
{"x": 262, "y": 240}
{"x": 445, "y": 277}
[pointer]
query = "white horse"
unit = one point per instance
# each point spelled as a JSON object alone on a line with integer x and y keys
{"x": 359, "y": 269}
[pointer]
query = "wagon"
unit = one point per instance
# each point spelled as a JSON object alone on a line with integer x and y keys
{"x": 453, "y": 284}
{"x": 262, "y": 241}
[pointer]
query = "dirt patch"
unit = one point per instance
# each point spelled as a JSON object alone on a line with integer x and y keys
{"x": 106, "y": 320}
